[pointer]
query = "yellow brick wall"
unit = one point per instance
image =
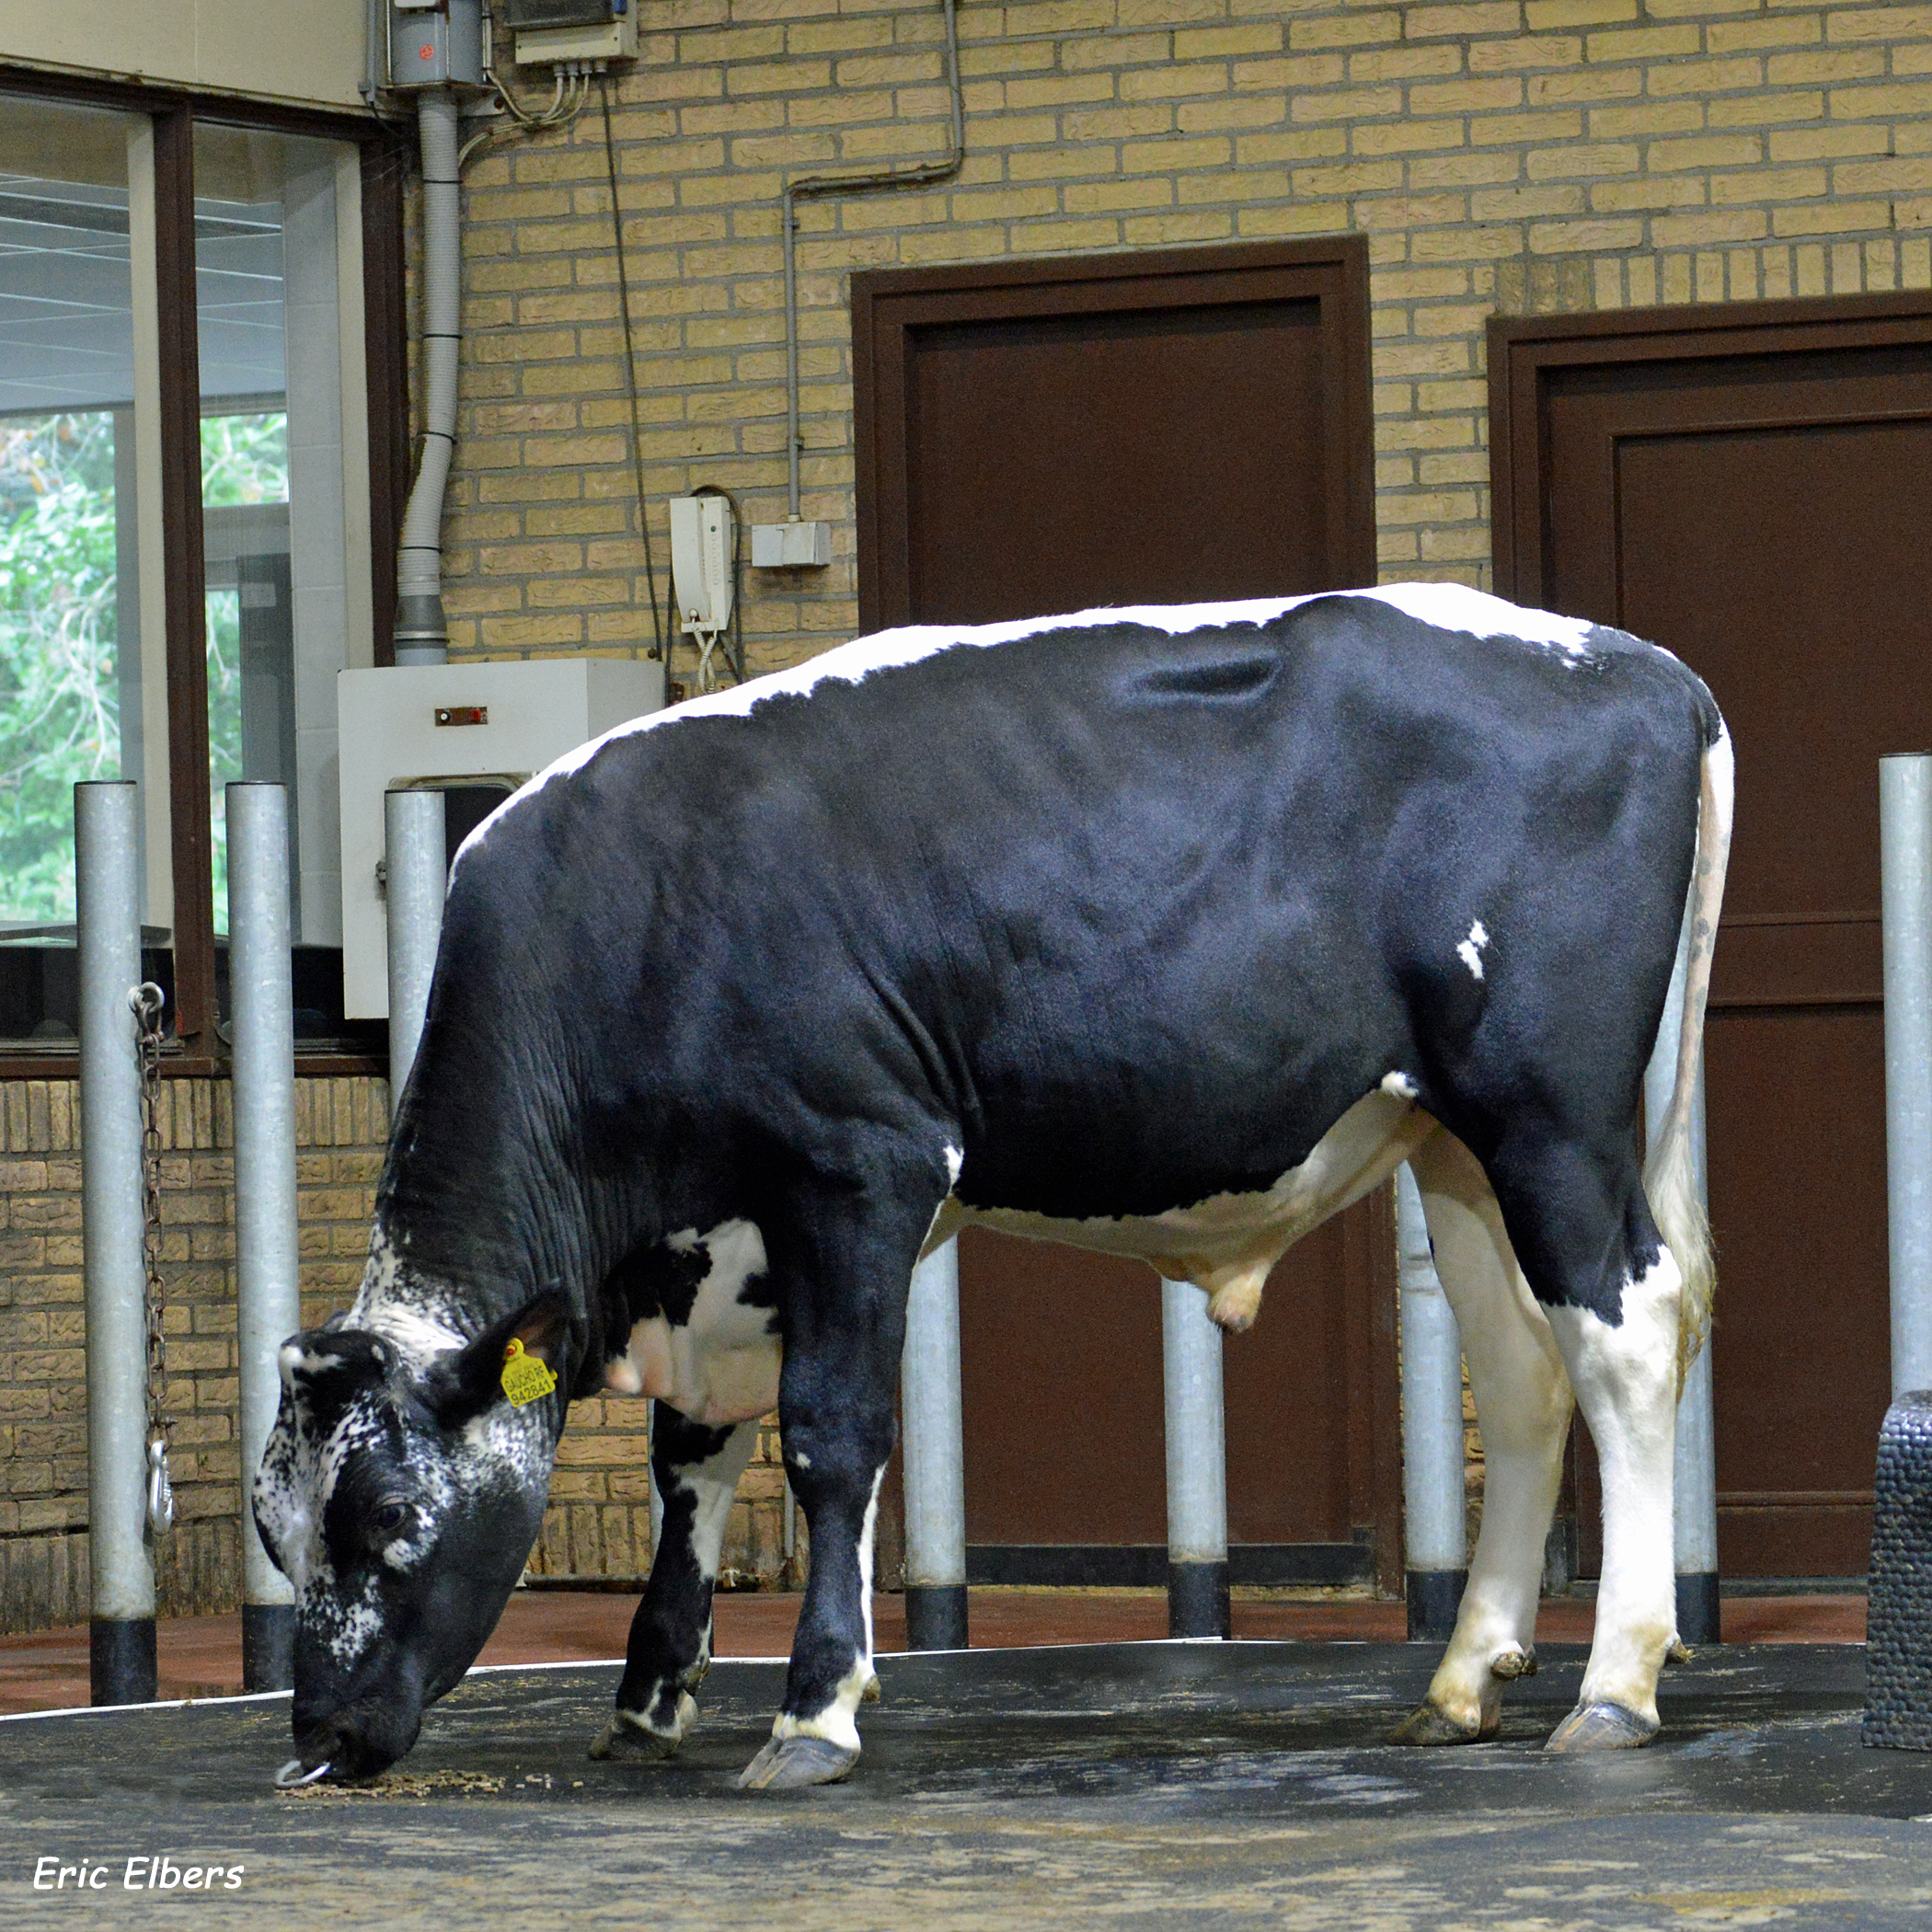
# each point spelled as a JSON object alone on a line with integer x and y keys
{"x": 1502, "y": 154}
{"x": 598, "y": 1523}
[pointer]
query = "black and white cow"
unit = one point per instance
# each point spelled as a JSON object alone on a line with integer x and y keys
{"x": 1164, "y": 931}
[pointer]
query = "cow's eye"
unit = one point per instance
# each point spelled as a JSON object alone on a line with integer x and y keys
{"x": 391, "y": 1517}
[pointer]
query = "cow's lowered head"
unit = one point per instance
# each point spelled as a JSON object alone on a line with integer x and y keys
{"x": 399, "y": 1492}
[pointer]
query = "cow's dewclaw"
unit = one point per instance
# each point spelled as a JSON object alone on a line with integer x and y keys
{"x": 792, "y": 1764}
{"x": 1602, "y": 1727}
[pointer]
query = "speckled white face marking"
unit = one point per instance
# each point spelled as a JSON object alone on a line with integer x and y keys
{"x": 1448, "y": 606}
{"x": 1470, "y": 951}
{"x": 723, "y": 1365}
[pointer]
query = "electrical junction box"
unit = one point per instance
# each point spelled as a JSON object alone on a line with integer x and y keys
{"x": 456, "y": 727}
{"x": 435, "y": 43}
{"x": 791, "y": 547}
{"x": 548, "y": 32}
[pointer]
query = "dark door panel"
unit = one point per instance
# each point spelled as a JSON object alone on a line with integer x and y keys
{"x": 1747, "y": 486}
{"x": 1041, "y": 437}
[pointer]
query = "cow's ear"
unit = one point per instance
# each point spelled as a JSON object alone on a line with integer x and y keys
{"x": 470, "y": 1381}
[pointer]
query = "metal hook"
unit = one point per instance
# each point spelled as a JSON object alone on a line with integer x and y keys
{"x": 160, "y": 1491}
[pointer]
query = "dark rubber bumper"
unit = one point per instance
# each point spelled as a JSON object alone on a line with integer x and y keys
{"x": 1197, "y": 1600}
{"x": 935, "y": 1616}
{"x": 121, "y": 1660}
{"x": 268, "y": 1646}
{"x": 1435, "y": 1597}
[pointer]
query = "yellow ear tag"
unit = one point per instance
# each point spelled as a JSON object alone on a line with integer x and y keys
{"x": 525, "y": 1379}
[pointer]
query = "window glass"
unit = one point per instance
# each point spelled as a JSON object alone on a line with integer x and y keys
{"x": 272, "y": 439}
{"x": 69, "y": 650}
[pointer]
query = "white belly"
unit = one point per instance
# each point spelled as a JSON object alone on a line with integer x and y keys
{"x": 1228, "y": 1242}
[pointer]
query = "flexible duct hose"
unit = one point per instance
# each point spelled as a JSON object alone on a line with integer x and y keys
{"x": 422, "y": 632}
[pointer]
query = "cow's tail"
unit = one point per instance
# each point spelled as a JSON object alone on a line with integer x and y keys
{"x": 1670, "y": 1175}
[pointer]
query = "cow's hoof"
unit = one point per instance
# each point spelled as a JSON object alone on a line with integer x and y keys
{"x": 792, "y": 1764}
{"x": 630, "y": 1733}
{"x": 1513, "y": 1663}
{"x": 1430, "y": 1724}
{"x": 1602, "y": 1727}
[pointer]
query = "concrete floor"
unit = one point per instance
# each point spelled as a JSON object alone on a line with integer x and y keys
{"x": 201, "y": 1656}
{"x": 1130, "y": 1785}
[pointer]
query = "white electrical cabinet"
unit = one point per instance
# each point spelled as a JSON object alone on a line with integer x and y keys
{"x": 456, "y": 727}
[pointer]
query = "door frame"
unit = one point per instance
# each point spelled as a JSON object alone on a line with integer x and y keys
{"x": 888, "y": 304}
{"x": 1524, "y": 349}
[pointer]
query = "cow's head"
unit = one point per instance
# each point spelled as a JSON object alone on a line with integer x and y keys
{"x": 399, "y": 1492}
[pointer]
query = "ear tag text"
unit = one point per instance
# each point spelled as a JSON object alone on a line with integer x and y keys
{"x": 526, "y": 1378}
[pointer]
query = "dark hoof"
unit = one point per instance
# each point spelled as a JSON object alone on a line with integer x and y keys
{"x": 628, "y": 1735}
{"x": 1600, "y": 1727}
{"x": 792, "y": 1764}
{"x": 1428, "y": 1725}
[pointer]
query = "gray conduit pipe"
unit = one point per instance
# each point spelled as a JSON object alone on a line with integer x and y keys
{"x": 422, "y": 630}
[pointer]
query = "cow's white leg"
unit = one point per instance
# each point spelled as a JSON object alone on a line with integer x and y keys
{"x": 697, "y": 1470}
{"x": 1626, "y": 1378}
{"x": 1523, "y": 1403}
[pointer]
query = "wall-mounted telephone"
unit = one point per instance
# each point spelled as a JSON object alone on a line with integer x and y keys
{"x": 703, "y": 537}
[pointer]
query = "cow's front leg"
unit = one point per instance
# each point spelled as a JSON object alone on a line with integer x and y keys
{"x": 845, "y": 1328}
{"x": 696, "y": 1471}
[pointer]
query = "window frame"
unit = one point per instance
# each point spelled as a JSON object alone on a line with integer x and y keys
{"x": 196, "y": 1049}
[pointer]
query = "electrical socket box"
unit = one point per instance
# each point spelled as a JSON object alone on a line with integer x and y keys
{"x": 791, "y": 547}
{"x": 702, "y": 534}
{"x": 548, "y": 32}
{"x": 435, "y": 43}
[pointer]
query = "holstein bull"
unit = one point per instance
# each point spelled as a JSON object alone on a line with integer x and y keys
{"x": 1164, "y": 931}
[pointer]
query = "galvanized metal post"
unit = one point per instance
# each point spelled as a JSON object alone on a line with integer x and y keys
{"x": 1434, "y": 1536}
{"x": 266, "y": 1273}
{"x": 1693, "y": 1508}
{"x": 416, "y": 877}
{"x": 935, "y": 1457}
{"x": 121, "y": 1638}
{"x": 1905, "y": 870}
{"x": 1197, "y": 1464}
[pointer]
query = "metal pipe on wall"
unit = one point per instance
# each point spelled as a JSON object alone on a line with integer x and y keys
{"x": 1197, "y": 1464}
{"x": 1905, "y": 873}
{"x": 1693, "y": 1509}
{"x": 121, "y": 1638}
{"x": 267, "y": 1271}
{"x": 935, "y": 1454}
{"x": 416, "y": 873}
{"x": 1434, "y": 1535}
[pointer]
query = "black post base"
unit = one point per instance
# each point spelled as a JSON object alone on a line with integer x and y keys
{"x": 1435, "y": 1597}
{"x": 935, "y": 1616}
{"x": 1697, "y": 1608}
{"x": 268, "y": 1646}
{"x": 1197, "y": 1600}
{"x": 121, "y": 1660}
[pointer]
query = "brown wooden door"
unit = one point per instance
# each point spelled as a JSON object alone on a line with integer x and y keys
{"x": 1749, "y": 487}
{"x": 1040, "y": 437}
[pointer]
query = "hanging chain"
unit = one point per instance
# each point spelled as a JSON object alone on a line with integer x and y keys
{"x": 147, "y": 1001}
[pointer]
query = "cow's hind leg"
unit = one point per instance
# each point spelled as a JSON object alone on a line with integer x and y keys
{"x": 696, "y": 1471}
{"x": 1523, "y": 1403}
{"x": 844, "y": 1272}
